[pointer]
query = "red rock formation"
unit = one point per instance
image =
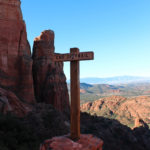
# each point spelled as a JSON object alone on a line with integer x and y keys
{"x": 49, "y": 79}
{"x": 126, "y": 110}
{"x": 15, "y": 55}
{"x": 139, "y": 122}
{"x": 137, "y": 107}
{"x": 112, "y": 103}
{"x": 82, "y": 91}
{"x": 86, "y": 142}
{"x": 9, "y": 102}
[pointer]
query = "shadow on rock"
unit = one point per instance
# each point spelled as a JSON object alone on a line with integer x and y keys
{"x": 114, "y": 134}
{"x": 44, "y": 122}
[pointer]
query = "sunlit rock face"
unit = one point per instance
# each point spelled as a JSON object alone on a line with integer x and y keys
{"x": 49, "y": 79}
{"x": 15, "y": 54}
{"x": 132, "y": 111}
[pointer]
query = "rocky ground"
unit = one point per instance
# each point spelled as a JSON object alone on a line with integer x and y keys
{"x": 44, "y": 122}
{"x": 27, "y": 133}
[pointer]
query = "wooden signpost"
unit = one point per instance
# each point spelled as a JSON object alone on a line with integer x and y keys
{"x": 74, "y": 56}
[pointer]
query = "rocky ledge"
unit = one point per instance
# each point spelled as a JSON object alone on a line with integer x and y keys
{"x": 86, "y": 142}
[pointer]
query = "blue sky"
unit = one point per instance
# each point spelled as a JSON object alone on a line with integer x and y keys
{"x": 118, "y": 31}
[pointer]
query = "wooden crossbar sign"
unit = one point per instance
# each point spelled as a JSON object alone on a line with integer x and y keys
{"x": 74, "y": 57}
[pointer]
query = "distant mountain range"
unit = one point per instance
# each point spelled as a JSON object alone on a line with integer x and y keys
{"x": 114, "y": 80}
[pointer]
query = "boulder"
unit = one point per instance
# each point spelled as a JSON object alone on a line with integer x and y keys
{"x": 49, "y": 78}
{"x": 86, "y": 142}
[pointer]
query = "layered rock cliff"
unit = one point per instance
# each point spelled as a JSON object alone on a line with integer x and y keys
{"x": 15, "y": 54}
{"x": 49, "y": 79}
{"x": 129, "y": 111}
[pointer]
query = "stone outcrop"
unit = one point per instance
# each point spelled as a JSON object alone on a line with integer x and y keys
{"x": 140, "y": 123}
{"x": 109, "y": 103}
{"x": 9, "y": 102}
{"x": 15, "y": 54}
{"x": 86, "y": 142}
{"x": 49, "y": 79}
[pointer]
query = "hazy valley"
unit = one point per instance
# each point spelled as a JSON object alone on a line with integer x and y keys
{"x": 128, "y": 102}
{"x": 93, "y": 92}
{"x": 126, "y": 86}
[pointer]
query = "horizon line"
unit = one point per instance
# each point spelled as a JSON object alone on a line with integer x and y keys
{"x": 115, "y": 76}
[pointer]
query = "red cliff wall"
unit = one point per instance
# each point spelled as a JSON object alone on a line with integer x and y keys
{"x": 15, "y": 55}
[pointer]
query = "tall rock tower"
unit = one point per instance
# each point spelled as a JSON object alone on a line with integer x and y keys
{"x": 15, "y": 54}
{"x": 49, "y": 78}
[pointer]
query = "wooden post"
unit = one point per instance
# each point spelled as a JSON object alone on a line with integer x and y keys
{"x": 74, "y": 57}
{"x": 75, "y": 97}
